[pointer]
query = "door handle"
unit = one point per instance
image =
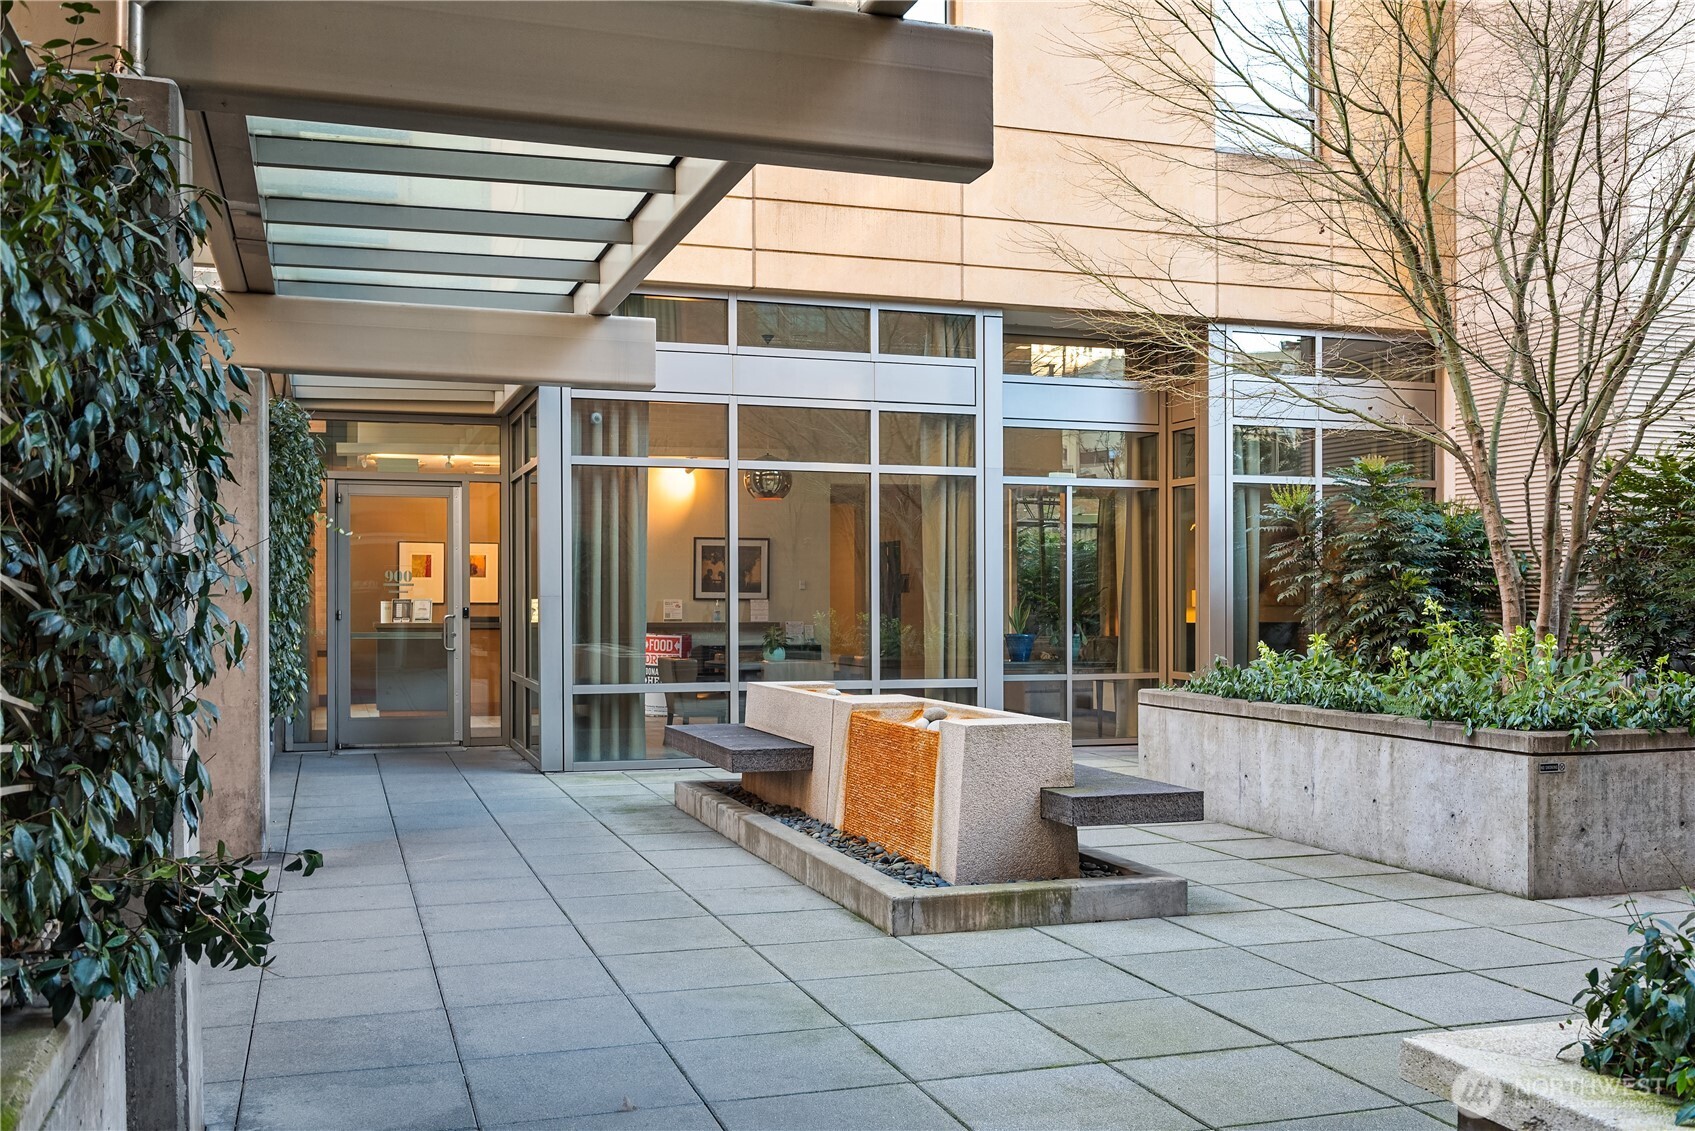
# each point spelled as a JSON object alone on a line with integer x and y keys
{"x": 447, "y": 640}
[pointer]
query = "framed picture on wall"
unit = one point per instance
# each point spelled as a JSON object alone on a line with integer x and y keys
{"x": 423, "y": 565}
{"x": 485, "y": 573}
{"x": 712, "y": 569}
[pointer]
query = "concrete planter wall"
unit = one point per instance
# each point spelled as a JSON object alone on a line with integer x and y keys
{"x": 1518, "y": 812}
{"x": 64, "y": 1077}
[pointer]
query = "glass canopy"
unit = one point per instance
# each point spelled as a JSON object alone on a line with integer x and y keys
{"x": 391, "y": 215}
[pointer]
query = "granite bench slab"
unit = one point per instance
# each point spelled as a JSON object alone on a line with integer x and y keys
{"x": 1102, "y": 797}
{"x": 738, "y": 748}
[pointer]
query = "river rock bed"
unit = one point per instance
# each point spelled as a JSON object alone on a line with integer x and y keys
{"x": 891, "y": 864}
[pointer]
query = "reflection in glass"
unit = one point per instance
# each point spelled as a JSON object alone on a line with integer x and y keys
{"x": 1344, "y": 445}
{"x": 1364, "y": 359}
{"x": 808, "y": 435}
{"x": 654, "y": 429}
{"x": 532, "y": 578}
{"x": 311, "y": 721}
{"x": 698, "y": 321}
{"x": 1256, "y": 612}
{"x": 1044, "y": 698}
{"x": 1035, "y": 579}
{"x": 483, "y": 595}
{"x": 1270, "y": 355}
{"x": 927, "y": 583}
{"x": 1260, "y": 449}
{"x": 1084, "y": 453}
{"x": 798, "y": 326}
{"x": 1183, "y": 569}
{"x": 1056, "y": 357}
{"x": 621, "y": 727}
{"x": 928, "y": 439}
{"x": 1183, "y": 454}
{"x": 411, "y": 446}
{"x": 1104, "y": 710}
{"x": 920, "y": 334}
{"x": 1115, "y": 579}
{"x": 805, "y": 569}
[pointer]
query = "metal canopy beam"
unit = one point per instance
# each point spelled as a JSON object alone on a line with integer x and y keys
{"x": 742, "y": 82}
{"x": 431, "y": 262}
{"x": 465, "y": 221}
{"x": 290, "y": 334}
{"x": 431, "y": 296}
{"x": 419, "y": 161}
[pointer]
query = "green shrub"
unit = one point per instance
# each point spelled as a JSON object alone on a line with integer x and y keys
{"x": 1363, "y": 559}
{"x": 296, "y": 473}
{"x": 114, "y": 548}
{"x": 1642, "y": 558}
{"x": 1505, "y": 681}
{"x": 1641, "y": 1016}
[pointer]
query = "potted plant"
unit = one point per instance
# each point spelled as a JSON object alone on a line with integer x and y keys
{"x": 775, "y": 639}
{"x": 1019, "y": 639}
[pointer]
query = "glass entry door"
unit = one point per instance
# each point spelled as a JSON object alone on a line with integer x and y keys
{"x": 399, "y": 614}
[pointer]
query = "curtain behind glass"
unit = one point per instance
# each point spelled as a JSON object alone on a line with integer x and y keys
{"x": 609, "y": 505}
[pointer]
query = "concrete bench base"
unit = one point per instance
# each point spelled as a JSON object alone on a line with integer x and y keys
{"x": 896, "y": 909}
{"x": 1514, "y": 1076}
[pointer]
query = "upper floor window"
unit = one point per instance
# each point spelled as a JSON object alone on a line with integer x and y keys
{"x": 918, "y": 333}
{"x": 802, "y": 326}
{"x": 1261, "y": 77}
{"x": 697, "y": 321}
{"x": 929, "y": 12}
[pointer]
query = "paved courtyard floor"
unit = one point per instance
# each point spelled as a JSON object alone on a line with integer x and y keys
{"x": 489, "y": 947}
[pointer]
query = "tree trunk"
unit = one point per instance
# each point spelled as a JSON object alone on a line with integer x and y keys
{"x": 1509, "y": 582}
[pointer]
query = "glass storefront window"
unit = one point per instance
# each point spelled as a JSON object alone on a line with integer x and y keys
{"x": 1366, "y": 359}
{"x": 1259, "y": 449}
{"x": 919, "y": 334}
{"x": 409, "y": 447}
{"x": 1035, "y": 579}
{"x": 802, "y": 326}
{"x": 311, "y": 723}
{"x": 1344, "y": 445}
{"x": 1114, "y": 579}
{"x": 630, "y": 727}
{"x": 1183, "y": 454}
{"x": 1259, "y": 615}
{"x": 484, "y": 590}
{"x": 1253, "y": 354}
{"x": 1056, "y": 357}
{"x": 694, "y": 321}
{"x": 1184, "y": 572}
{"x": 1104, "y": 710}
{"x": 926, "y": 577}
{"x": 928, "y": 439}
{"x": 804, "y": 575}
{"x": 532, "y": 579}
{"x": 1082, "y": 453}
{"x": 651, "y": 429}
{"x": 1044, "y": 698}
{"x": 804, "y": 435}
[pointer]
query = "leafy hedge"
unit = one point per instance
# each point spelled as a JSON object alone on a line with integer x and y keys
{"x": 296, "y": 486}
{"x": 113, "y": 548}
{"x": 1505, "y": 681}
{"x": 1642, "y": 557}
{"x": 1641, "y": 1015}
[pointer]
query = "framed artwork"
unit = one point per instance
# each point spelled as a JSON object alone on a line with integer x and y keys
{"x": 712, "y": 569}
{"x": 485, "y": 573}
{"x": 425, "y": 564}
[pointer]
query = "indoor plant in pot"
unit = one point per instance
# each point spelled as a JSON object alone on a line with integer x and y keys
{"x": 1019, "y": 639}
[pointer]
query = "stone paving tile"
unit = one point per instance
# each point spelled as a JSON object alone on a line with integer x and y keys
{"x": 545, "y": 979}
{"x": 1592, "y": 938}
{"x": 630, "y": 908}
{"x": 648, "y": 936}
{"x": 657, "y": 972}
{"x": 572, "y": 863}
{"x": 1491, "y": 909}
{"x": 1385, "y": 1119}
{"x": 1207, "y": 831}
{"x": 684, "y": 1117}
{"x": 761, "y": 900}
{"x": 1172, "y": 852}
{"x": 973, "y": 1045}
{"x": 1205, "y": 900}
{"x": 515, "y": 1089}
{"x": 346, "y": 995}
{"x": 1560, "y": 981}
{"x": 901, "y": 997}
{"x": 1373, "y": 1060}
{"x": 1348, "y": 959}
{"x": 369, "y": 897}
{"x": 994, "y": 948}
{"x": 698, "y": 880}
{"x": 1156, "y": 1027}
{"x": 822, "y": 925}
{"x": 219, "y": 1101}
{"x": 411, "y": 1098}
{"x": 1478, "y": 948}
{"x": 1335, "y": 867}
{"x": 331, "y": 926}
{"x": 845, "y": 959}
{"x": 607, "y": 883}
{"x": 519, "y": 1028}
{"x": 1297, "y": 893}
{"x": 444, "y": 871}
{"x": 659, "y": 842}
{"x": 776, "y": 1064}
{"x": 1613, "y": 906}
{"x": 1089, "y": 1097}
{"x": 445, "y": 919}
{"x": 1266, "y": 848}
{"x": 335, "y": 874}
{"x": 1119, "y": 836}
{"x": 1382, "y": 918}
{"x": 1279, "y": 1085}
{"x": 731, "y": 1011}
{"x": 1305, "y": 1013}
{"x": 345, "y": 1044}
{"x": 1210, "y": 971}
{"x": 888, "y": 1107}
{"x": 226, "y": 1050}
{"x": 1406, "y": 885}
{"x": 1261, "y": 928}
{"x": 1077, "y": 981}
{"x": 1136, "y": 936}
{"x": 1226, "y": 871}
{"x": 727, "y": 857}
{"x": 229, "y": 1003}
{"x": 503, "y": 944}
{"x": 1460, "y": 999}
{"x": 503, "y": 889}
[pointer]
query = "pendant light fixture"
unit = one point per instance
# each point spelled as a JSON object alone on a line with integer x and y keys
{"x": 767, "y": 485}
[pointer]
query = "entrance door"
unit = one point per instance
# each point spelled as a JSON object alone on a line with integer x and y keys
{"x": 399, "y": 614}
